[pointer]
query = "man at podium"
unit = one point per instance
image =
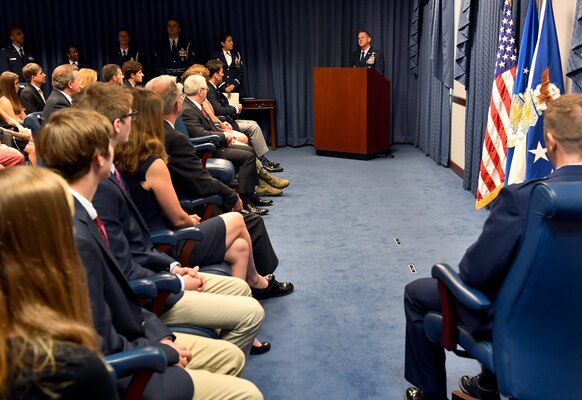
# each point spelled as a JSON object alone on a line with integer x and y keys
{"x": 367, "y": 56}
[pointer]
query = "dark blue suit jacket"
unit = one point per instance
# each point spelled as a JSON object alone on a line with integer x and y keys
{"x": 377, "y": 62}
{"x": 55, "y": 101}
{"x": 10, "y": 60}
{"x": 118, "y": 59}
{"x": 117, "y": 316}
{"x": 486, "y": 263}
{"x": 174, "y": 62}
{"x": 233, "y": 73}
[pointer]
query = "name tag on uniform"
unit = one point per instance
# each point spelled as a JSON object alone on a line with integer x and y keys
{"x": 30, "y": 58}
{"x": 12, "y": 59}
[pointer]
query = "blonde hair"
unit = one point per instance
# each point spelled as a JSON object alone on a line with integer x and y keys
{"x": 43, "y": 288}
{"x": 146, "y": 137}
{"x": 196, "y": 69}
{"x": 87, "y": 76}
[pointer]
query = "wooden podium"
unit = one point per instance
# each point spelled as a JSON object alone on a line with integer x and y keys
{"x": 351, "y": 112}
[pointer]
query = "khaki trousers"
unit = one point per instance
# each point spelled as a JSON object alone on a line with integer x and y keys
{"x": 225, "y": 305}
{"x": 215, "y": 368}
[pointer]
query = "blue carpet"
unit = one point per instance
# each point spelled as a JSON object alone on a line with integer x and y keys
{"x": 341, "y": 334}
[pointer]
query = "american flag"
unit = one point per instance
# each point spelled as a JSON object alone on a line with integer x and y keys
{"x": 491, "y": 171}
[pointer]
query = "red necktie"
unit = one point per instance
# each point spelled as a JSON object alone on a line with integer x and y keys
{"x": 101, "y": 228}
{"x": 118, "y": 178}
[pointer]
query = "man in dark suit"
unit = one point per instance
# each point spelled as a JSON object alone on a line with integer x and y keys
{"x": 72, "y": 56}
{"x": 32, "y": 96}
{"x": 367, "y": 56}
{"x": 198, "y": 124}
{"x": 486, "y": 263}
{"x": 125, "y": 52}
{"x": 227, "y": 113}
{"x": 192, "y": 181}
{"x": 176, "y": 53}
{"x": 66, "y": 85}
{"x": 14, "y": 56}
{"x": 77, "y": 143}
{"x": 132, "y": 73}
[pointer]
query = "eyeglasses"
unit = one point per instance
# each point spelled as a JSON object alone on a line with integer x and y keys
{"x": 132, "y": 115}
{"x": 204, "y": 89}
{"x": 182, "y": 96}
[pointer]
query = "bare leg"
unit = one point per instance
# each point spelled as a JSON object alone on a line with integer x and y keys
{"x": 239, "y": 251}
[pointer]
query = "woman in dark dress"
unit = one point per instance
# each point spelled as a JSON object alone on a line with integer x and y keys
{"x": 142, "y": 162}
{"x": 48, "y": 347}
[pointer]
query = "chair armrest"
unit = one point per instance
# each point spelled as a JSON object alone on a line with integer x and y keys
{"x": 468, "y": 296}
{"x": 166, "y": 281}
{"x": 191, "y": 233}
{"x": 129, "y": 362}
{"x": 163, "y": 236}
{"x": 204, "y": 147}
{"x": 205, "y": 139}
{"x": 190, "y": 205}
{"x": 144, "y": 288}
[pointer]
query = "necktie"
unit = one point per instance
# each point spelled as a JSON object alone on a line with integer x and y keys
{"x": 173, "y": 45}
{"x": 118, "y": 178}
{"x": 124, "y": 53}
{"x": 42, "y": 95}
{"x": 21, "y": 53}
{"x": 362, "y": 56}
{"x": 228, "y": 58}
{"x": 101, "y": 228}
{"x": 203, "y": 112}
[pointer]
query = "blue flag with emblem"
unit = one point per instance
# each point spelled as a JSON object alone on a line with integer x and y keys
{"x": 526, "y": 52}
{"x": 545, "y": 84}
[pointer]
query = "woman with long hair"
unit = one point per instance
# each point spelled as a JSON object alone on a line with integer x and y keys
{"x": 12, "y": 114}
{"x": 142, "y": 162}
{"x": 48, "y": 347}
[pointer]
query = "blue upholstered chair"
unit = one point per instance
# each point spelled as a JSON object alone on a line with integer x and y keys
{"x": 536, "y": 350}
{"x": 155, "y": 290}
{"x": 140, "y": 364}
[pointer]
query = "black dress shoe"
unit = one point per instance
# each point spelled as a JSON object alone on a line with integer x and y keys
{"x": 274, "y": 289}
{"x": 264, "y": 160}
{"x": 255, "y": 210}
{"x": 258, "y": 202}
{"x": 470, "y": 385}
{"x": 271, "y": 168}
{"x": 262, "y": 349}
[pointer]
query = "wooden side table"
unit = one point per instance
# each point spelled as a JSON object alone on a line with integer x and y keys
{"x": 264, "y": 104}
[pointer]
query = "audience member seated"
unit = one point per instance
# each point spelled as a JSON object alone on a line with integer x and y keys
{"x": 486, "y": 263}
{"x": 32, "y": 96}
{"x": 10, "y": 157}
{"x": 192, "y": 181}
{"x": 228, "y": 113}
{"x": 142, "y": 162}
{"x": 124, "y": 52}
{"x": 87, "y": 76}
{"x": 229, "y": 309}
{"x": 111, "y": 73}
{"x": 14, "y": 56}
{"x": 49, "y": 347}
{"x": 12, "y": 115}
{"x": 199, "y": 124}
{"x": 132, "y": 72}
{"x": 232, "y": 63}
{"x": 199, "y": 69}
{"x": 77, "y": 143}
{"x": 66, "y": 85}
